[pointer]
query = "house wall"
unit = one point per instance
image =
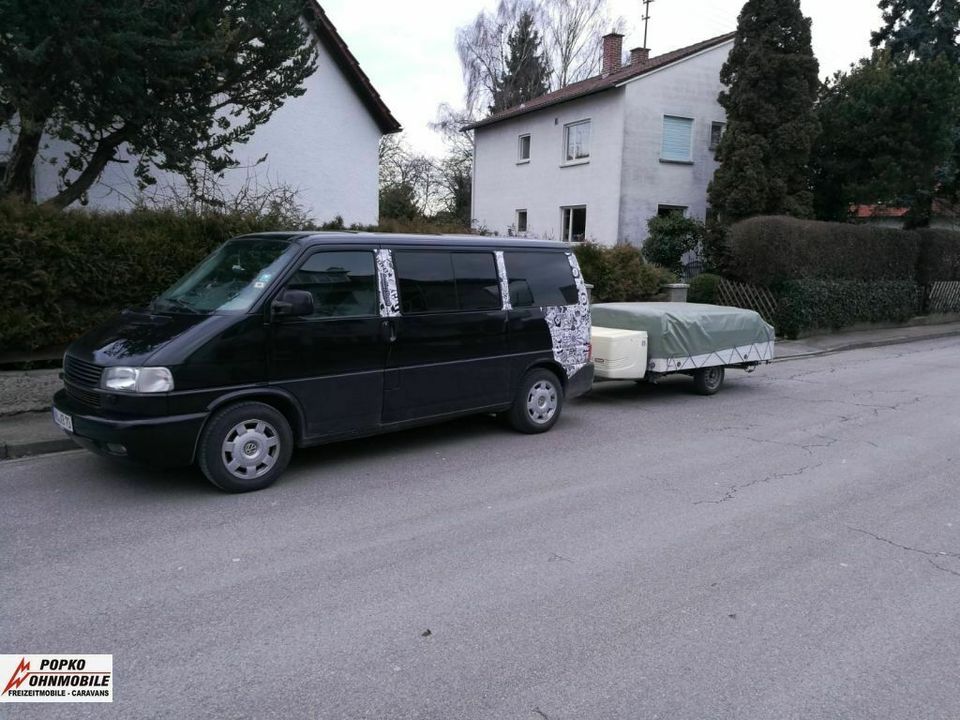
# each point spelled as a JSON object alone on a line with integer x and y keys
{"x": 325, "y": 143}
{"x": 542, "y": 186}
{"x": 688, "y": 89}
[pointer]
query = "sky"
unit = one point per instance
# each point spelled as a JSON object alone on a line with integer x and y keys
{"x": 407, "y": 48}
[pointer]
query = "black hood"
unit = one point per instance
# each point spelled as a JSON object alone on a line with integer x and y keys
{"x": 134, "y": 337}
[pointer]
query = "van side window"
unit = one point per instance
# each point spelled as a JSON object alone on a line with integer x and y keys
{"x": 539, "y": 279}
{"x": 343, "y": 283}
{"x": 425, "y": 280}
{"x": 478, "y": 287}
{"x": 444, "y": 281}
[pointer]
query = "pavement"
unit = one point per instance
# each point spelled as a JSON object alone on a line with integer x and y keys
{"x": 788, "y": 548}
{"x": 26, "y": 427}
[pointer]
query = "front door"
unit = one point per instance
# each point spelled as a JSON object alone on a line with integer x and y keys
{"x": 448, "y": 349}
{"x": 332, "y": 361}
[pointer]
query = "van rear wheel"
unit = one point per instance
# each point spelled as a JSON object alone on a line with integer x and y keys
{"x": 245, "y": 447}
{"x": 538, "y": 403}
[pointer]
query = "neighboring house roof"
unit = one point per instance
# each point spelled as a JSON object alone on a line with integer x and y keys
{"x": 875, "y": 212}
{"x": 338, "y": 50}
{"x": 600, "y": 83}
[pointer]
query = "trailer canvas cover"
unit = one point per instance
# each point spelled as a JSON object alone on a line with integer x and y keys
{"x": 686, "y": 336}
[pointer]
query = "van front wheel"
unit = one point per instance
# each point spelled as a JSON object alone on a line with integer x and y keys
{"x": 538, "y": 402}
{"x": 245, "y": 447}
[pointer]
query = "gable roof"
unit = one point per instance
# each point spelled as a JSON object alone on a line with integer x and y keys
{"x": 338, "y": 50}
{"x": 600, "y": 83}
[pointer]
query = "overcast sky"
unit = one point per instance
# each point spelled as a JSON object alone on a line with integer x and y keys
{"x": 407, "y": 48}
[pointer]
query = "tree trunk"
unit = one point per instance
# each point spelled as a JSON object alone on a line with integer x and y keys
{"x": 18, "y": 180}
{"x": 98, "y": 161}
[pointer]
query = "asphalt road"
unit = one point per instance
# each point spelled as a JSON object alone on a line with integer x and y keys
{"x": 789, "y": 548}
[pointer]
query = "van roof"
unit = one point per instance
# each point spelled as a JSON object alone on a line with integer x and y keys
{"x": 349, "y": 237}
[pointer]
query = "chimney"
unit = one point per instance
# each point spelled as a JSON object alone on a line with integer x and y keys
{"x": 612, "y": 52}
{"x": 639, "y": 55}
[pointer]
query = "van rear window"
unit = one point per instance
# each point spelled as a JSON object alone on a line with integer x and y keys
{"x": 539, "y": 279}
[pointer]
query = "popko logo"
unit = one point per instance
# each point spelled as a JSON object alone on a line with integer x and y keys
{"x": 19, "y": 675}
{"x": 57, "y": 678}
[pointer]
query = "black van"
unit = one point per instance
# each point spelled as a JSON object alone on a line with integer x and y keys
{"x": 284, "y": 339}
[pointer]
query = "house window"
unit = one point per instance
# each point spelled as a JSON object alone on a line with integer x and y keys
{"x": 668, "y": 210}
{"x": 677, "y": 136}
{"x": 521, "y": 221}
{"x": 576, "y": 141}
{"x": 716, "y": 132}
{"x": 573, "y": 221}
{"x": 523, "y": 149}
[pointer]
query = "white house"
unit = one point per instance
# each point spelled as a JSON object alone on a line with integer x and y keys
{"x": 325, "y": 143}
{"x": 597, "y": 159}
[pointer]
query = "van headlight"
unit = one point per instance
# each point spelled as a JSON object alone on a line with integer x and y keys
{"x": 137, "y": 379}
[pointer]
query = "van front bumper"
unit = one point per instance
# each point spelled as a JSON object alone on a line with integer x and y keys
{"x": 168, "y": 441}
{"x": 580, "y": 382}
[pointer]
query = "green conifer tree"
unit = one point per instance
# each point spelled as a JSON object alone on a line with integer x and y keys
{"x": 526, "y": 73}
{"x": 920, "y": 29}
{"x": 927, "y": 31}
{"x": 772, "y": 82}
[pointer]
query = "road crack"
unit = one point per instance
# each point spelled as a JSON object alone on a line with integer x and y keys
{"x": 732, "y": 491}
{"x": 929, "y": 554}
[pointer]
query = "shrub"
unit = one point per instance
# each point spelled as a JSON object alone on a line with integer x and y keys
{"x": 939, "y": 255}
{"x": 716, "y": 253}
{"x": 805, "y": 305}
{"x": 670, "y": 237}
{"x": 703, "y": 289}
{"x": 619, "y": 274}
{"x": 771, "y": 250}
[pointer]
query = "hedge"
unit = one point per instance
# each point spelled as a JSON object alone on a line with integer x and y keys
{"x": 805, "y": 305}
{"x": 61, "y": 273}
{"x": 939, "y": 255}
{"x": 771, "y": 250}
{"x": 619, "y": 273}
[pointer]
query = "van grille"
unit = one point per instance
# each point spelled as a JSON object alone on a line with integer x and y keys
{"x": 81, "y": 373}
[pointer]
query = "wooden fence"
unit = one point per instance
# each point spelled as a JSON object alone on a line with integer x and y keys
{"x": 942, "y": 297}
{"x": 750, "y": 297}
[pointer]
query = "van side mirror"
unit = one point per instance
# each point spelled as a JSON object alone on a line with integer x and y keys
{"x": 293, "y": 303}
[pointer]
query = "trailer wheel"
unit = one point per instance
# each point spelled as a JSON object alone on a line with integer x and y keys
{"x": 707, "y": 381}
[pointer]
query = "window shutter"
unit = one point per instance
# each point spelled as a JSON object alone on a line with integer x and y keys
{"x": 677, "y": 134}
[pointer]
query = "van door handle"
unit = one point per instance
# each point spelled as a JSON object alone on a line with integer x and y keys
{"x": 388, "y": 330}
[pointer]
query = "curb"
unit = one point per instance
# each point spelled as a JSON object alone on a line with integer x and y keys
{"x": 40, "y": 447}
{"x": 867, "y": 344}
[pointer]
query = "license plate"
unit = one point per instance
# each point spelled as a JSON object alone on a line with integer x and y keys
{"x": 63, "y": 420}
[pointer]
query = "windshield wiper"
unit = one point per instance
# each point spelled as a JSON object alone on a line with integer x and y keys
{"x": 178, "y": 303}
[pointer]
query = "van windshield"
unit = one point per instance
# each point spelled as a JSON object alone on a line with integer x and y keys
{"x": 230, "y": 280}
